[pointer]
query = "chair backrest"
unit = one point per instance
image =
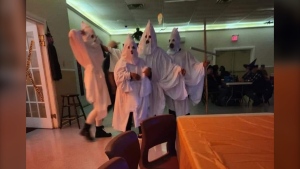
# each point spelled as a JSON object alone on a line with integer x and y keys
{"x": 157, "y": 130}
{"x": 115, "y": 163}
{"x": 125, "y": 145}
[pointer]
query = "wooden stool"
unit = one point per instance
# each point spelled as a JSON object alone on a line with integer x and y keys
{"x": 69, "y": 104}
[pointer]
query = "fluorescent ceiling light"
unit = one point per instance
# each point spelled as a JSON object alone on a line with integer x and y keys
{"x": 265, "y": 9}
{"x": 172, "y": 1}
{"x": 188, "y": 28}
{"x": 168, "y": 27}
{"x": 176, "y": 24}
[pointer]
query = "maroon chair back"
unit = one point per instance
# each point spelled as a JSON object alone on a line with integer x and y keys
{"x": 157, "y": 130}
{"x": 125, "y": 145}
{"x": 115, "y": 163}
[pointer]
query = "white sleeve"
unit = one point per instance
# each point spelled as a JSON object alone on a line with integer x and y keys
{"x": 171, "y": 80}
{"x": 79, "y": 50}
{"x": 195, "y": 72}
{"x": 194, "y": 78}
{"x": 122, "y": 77}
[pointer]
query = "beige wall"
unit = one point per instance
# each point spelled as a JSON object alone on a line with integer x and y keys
{"x": 261, "y": 38}
{"x": 55, "y": 13}
{"x": 67, "y": 85}
{"x": 75, "y": 22}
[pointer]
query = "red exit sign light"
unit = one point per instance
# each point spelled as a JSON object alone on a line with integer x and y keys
{"x": 234, "y": 38}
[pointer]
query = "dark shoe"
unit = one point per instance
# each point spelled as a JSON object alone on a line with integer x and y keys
{"x": 101, "y": 133}
{"x": 140, "y": 132}
{"x": 218, "y": 103}
{"x": 188, "y": 114}
{"x": 140, "y": 129}
{"x": 172, "y": 112}
{"x": 266, "y": 100}
{"x": 256, "y": 103}
{"x": 86, "y": 132}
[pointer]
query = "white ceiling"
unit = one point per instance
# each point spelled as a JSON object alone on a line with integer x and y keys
{"x": 113, "y": 15}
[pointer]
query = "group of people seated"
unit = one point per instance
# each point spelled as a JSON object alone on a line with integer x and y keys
{"x": 214, "y": 82}
{"x": 259, "y": 91}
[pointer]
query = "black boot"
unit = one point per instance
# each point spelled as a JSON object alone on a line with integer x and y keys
{"x": 256, "y": 103}
{"x": 129, "y": 122}
{"x": 101, "y": 133}
{"x": 140, "y": 132}
{"x": 86, "y": 132}
{"x": 172, "y": 112}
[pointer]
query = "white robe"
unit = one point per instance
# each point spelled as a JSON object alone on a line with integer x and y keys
{"x": 131, "y": 96}
{"x": 166, "y": 79}
{"x": 91, "y": 58}
{"x": 194, "y": 82}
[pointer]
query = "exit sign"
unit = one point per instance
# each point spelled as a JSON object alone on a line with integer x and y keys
{"x": 234, "y": 38}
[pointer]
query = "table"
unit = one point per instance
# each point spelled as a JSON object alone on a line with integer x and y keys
{"x": 237, "y": 83}
{"x": 232, "y": 85}
{"x": 238, "y": 141}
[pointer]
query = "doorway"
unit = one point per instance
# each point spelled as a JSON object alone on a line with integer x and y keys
{"x": 38, "y": 111}
{"x": 233, "y": 59}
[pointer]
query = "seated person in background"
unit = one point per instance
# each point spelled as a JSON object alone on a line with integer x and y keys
{"x": 214, "y": 87}
{"x": 264, "y": 72}
{"x": 223, "y": 72}
{"x": 212, "y": 83}
{"x": 216, "y": 74}
{"x": 248, "y": 75}
{"x": 257, "y": 88}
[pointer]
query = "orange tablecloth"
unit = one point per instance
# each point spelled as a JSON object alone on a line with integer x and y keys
{"x": 242, "y": 141}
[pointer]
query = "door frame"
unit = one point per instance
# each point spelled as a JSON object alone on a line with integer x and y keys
{"x": 252, "y": 53}
{"x": 50, "y": 85}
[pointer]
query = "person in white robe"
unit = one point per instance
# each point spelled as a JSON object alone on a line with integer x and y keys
{"x": 194, "y": 77}
{"x": 86, "y": 47}
{"x": 167, "y": 78}
{"x": 133, "y": 89}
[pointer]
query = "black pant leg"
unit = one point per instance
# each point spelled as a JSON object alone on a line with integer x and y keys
{"x": 172, "y": 112}
{"x": 128, "y": 126}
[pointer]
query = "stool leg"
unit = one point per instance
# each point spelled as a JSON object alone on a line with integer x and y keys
{"x": 83, "y": 113}
{"x": 62, "y": 111}
{"x": 69, "y": 111}
{"x": 77, "y": 117}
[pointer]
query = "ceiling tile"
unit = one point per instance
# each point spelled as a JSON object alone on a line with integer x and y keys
{"x": 114, "y": 14}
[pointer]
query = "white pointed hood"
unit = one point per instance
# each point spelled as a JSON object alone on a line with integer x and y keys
{"x": 129, "y": 52}
{"x": 174, "y": 42}
{"x": 148, "y": 42}
{"x": 88, "y": 35}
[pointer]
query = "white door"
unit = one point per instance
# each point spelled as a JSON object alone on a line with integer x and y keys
{"x": 38, "y": 113}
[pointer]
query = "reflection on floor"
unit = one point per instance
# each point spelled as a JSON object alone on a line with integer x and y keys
{"x": 64, "y": 148}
